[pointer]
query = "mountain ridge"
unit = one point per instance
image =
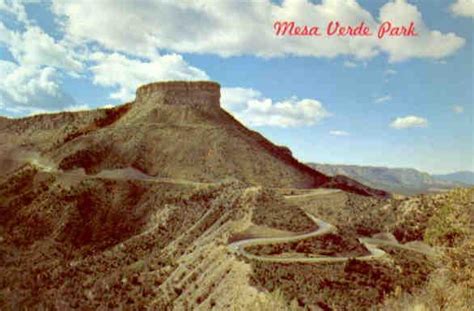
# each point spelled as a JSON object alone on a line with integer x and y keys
{"x": 466, "y": 177}
{"x": 406, "y": 181}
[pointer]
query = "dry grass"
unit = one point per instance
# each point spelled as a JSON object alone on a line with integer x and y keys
{"x": 106, "y": 243}
{"x": 272, "y": 210}
{"x": 272, "y": 301}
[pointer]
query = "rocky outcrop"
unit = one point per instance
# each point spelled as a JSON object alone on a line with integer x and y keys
{"x": 180, "y": 93}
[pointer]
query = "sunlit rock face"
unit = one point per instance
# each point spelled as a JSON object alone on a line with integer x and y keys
{"x": 180, "y": 93}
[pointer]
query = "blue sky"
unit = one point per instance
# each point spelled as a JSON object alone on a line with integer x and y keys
{"x": 341, "y": 100}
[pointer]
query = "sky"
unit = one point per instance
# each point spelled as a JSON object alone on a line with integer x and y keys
{"x": 396, "y": 101}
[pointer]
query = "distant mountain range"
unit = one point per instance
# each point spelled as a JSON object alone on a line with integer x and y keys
{"x": 405, "y": 181}
{"x": 465, "y": 177}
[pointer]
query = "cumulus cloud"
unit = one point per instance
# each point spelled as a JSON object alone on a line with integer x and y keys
{"x": 41, "y": 58}
{"x": 382, "y": 99}
{"x": 229, "y": 28}
{"x": 126, "y": 74}
{"x": 458, "y": 109}
{"x": 33, "y": 47}
{"x": 26, "y": 89}
{"x": 463, "y": 8}
{"x": 288, "y": 113}
{"x": 339, "y": 133}
{"x": 236, "y": 98}
{"x": 429, "y": 43}
{"x": 31, "y": 82}
{"x": 408, "y": 122}
{"x": 253, "y": 109}
{"x": 129, "y": 40}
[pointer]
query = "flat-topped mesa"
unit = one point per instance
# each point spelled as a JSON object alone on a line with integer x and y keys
{"x": 181, "y": 93}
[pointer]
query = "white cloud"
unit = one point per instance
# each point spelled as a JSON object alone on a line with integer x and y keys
{"x": 408, "y": 122}
{"x": 29, "y": 88}
{"x": 350, "y": 64}
{"x": 339, "y": 133}
{"x": 428, "y": 43}
{"x": 463, "y": 8}
{"x": 390, "y": 72}
{"x": 34, "y": 47}
{"x": 15, "y": 8}
{"x": 134, "y": 33}
{"x": 31, "y": 83}
{"x": 253, "y": 109}
{"x": 21, "y": 82}
{"x": 382, "y": 99}
{"x": 289, "y": 113}
{"x": 229, "y": 28}
{"x": 236, "y": 98}
{"x": 458, "y": 109}
{"x": 5, "y": 35}
{"x": 126, "y": 74}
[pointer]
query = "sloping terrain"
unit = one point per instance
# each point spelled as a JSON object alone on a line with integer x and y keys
{"x": 465, "y": 177}
{"x": 122, "y": 239}
{"x": 431, "y": 270}
{"x": 397, "y": 180}
{"x": 172, "y": 130}
{"x": 109, "y": 242}
{"x": 141, "y": 207}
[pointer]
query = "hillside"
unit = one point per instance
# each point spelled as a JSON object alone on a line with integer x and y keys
{"x": 168, "y": 203}
{"x": 171, "y": 130}
{"x": 465, "y": 177}
{"x": 121, "y": 240}
{"x": 108, "y": 243}
{"x": 405, "y": 181}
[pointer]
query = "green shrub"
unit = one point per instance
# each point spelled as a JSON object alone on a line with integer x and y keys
{"x": 450, "y": 223}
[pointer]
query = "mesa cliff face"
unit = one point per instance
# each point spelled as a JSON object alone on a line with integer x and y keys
{"x": 172, "y": 130}
{"x": 203, "y": 93}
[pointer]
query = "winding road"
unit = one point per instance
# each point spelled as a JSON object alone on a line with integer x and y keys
{"x": 370, "y": 244}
